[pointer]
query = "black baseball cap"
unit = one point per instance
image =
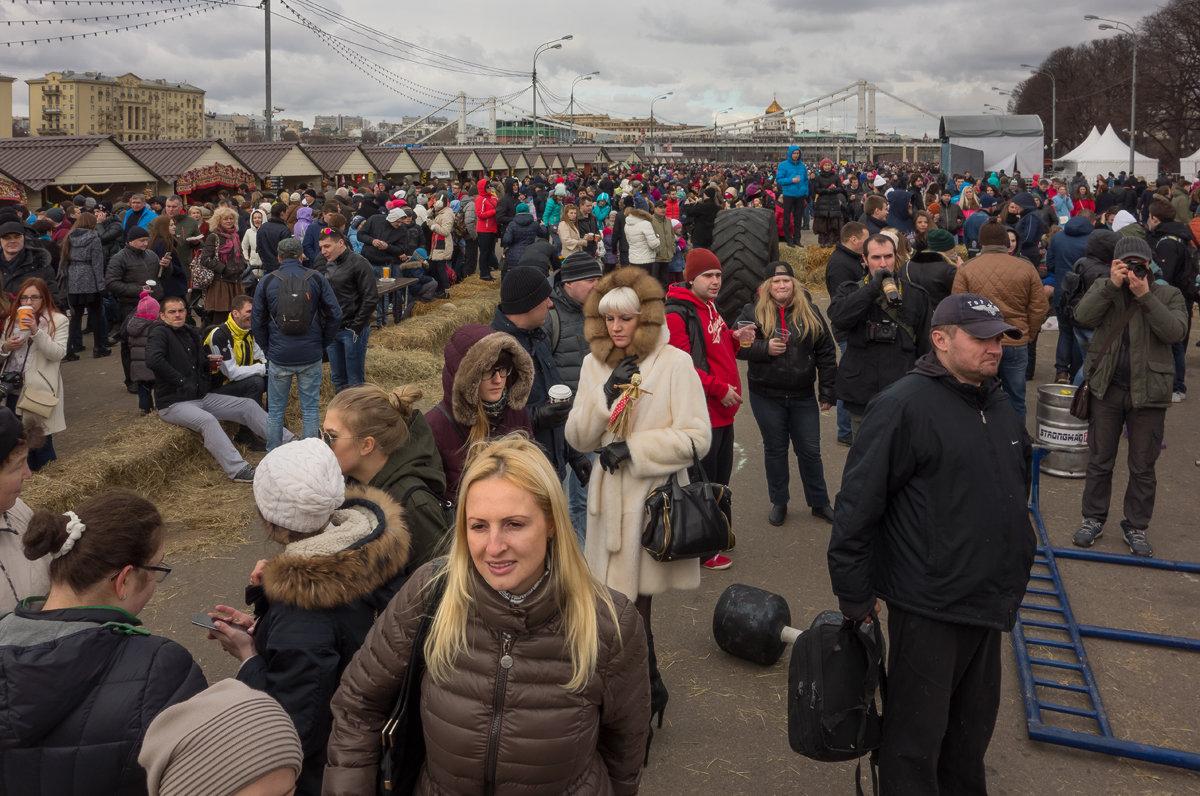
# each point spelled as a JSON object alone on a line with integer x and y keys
{"x": 974, "y": 314}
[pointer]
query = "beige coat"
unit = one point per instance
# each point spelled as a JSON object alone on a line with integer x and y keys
{"x": 442, "y": 223}
{"x": 45, "y": 356}
{"x": 667, "y": 421}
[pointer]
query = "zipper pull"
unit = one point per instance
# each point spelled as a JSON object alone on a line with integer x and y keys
{"x": 506, "y": 660}
{"x": 983, "y": 417}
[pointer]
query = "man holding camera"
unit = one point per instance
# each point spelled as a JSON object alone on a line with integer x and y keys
{"x": 886, "y": 322}
{"x": 1136, "y": 321}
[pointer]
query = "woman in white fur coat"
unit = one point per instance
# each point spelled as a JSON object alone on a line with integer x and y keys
{"x": 625, "y": 326}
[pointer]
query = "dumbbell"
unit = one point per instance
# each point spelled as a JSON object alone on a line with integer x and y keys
{"x": 753, "y": 624}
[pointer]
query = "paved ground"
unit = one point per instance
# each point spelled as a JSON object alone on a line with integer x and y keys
{"x": 725, "y": 728}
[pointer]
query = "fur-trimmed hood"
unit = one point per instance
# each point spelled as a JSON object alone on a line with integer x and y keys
{"x": 364, "y": 547}
{"x": 647, "y": 337}
{"x": 641, "y": 214}
{"x": 471, "y": 350}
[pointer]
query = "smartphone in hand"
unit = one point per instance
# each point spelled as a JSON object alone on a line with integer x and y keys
{"x": 203, "y": 620}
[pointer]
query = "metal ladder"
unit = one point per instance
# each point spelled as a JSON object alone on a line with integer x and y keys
{"x": 1051, "y": 613}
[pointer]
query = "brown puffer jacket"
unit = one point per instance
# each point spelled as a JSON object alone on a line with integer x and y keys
{"x": 1012, "y": 284}
{"x": 550, "y": 741}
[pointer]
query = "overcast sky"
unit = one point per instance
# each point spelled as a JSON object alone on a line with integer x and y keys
{"x": 941, "y": 55}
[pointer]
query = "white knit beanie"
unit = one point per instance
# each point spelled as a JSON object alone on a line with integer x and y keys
{"x": 299, "y": 485}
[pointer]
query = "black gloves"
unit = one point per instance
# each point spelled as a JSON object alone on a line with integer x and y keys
{"x": 856, "y": 611}
{"x": 621, "y": 374}
{"x": 549, "y": 415}
{"x": 880, "y": 275}
{"x": 581, "y": 467}
{"x": 613, "y": 456}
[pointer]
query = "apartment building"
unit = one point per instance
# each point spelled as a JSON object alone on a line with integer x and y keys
{"x": 128, "y": 107}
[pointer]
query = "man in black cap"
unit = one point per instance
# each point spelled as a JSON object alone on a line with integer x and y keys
{"x": 524, "y": 306}
{"x": 21, "y": 259}
{"x": 570, "y": 287}
{"x": 932, "y": 519}
{"x": 1136, "y": 319}
{"x": 125, "y": 277}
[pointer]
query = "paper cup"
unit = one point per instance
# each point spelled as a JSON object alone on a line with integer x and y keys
{"x": 559, "y": 393}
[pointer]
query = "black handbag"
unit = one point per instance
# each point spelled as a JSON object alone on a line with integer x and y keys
{"x": 692, "y": 521}
{"x": 403, "y": 739}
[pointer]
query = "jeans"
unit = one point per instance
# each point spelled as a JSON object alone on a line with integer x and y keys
{"x": 844, "y": 433}
{"x": 1108, "y": 416}
{"x": 385, "y": 300}
{"x": 1083, "y": 338}
{"x": 279, "y": 385}
{"x": 796, "y": 420}
{"x": 347, "y": 359}
{"x": 577, "y": 501}
{"x": 1013, "y": 362}
{"x": 1068, "y": 354}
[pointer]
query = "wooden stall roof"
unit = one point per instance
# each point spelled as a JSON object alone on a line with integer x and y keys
{"x": 392, "y": 159}
{"x": 432, "y": 159}
{"x": 276, "y": 159}
{"x": 170, "y": 158}
{"x": 39, "y": 161}
{"x": 465, "y": 160}
{"x": 493, "y": 159}
{"x": 516, "y": 159}
{"x": 335, "y": 159}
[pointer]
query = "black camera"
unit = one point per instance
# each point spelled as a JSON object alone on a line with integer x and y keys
{"x": 11, "y": 383}
{"x": 1138, "y": 269}
{"x": 882, "y": 331}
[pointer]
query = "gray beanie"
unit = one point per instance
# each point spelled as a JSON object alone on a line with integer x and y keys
{"x": 1129, "y": 246}
{"x": 218, "y": 742}
{"x": 290, "y": 247}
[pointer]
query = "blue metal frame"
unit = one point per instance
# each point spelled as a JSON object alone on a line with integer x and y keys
{"x": 1059, "y": 617}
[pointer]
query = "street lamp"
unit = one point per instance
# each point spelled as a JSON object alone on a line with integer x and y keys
{"x": 1124, "y": 27}
{"x": 994, "y": 108}
{"x": 650, "y": 146}
{"x": 716, "y": 150}
{"x": 578, "y": 79}
{"x": 1053, "y": 104}
{"x": 556, "y": 44}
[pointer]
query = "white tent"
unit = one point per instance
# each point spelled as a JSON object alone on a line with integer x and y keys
{"x": 1109, "y": 153}
{"x": 1087, "y": 142}
{"x": 1006, "y": 164}
{"x": 1190, "y": 165}
{"x": 999, "y": 138}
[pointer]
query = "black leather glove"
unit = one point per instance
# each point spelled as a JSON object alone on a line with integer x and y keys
{"x": 880, "y": 275}
{"x": 550, "y": 415}
{"x": 621, "y": 374}
{"x": 582, "y": 468}
{"x": 613, "y": 456}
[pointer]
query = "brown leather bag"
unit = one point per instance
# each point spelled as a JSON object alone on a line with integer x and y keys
{"x": 1081, "y": 404}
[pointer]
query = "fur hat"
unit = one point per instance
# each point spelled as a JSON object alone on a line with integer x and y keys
{"x": 147, "y": 307}
{"x": 650, "y": 333}
{"x": 298, "y": 486}
{"x": 198, "y": 745}
{"x": 698, "y": 261}
{"x": 523, "y": 289}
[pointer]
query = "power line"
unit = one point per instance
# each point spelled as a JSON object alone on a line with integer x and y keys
{"x": 205, "y": 7}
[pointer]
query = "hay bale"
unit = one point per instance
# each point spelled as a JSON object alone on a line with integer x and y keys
{"x": 431, "y": 330}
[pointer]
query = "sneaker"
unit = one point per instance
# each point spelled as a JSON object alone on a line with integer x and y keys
{"x": 717, "y": 562}
{"x": 1089, "y": 531}
{"x": 1062, "y": 378}
{"x": 245, "y": 475}
{"x": 1178, "y": 397}
{"x": 1138, "y": 545}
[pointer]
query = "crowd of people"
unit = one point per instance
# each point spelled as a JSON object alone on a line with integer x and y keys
{"x": 497, "y": 536}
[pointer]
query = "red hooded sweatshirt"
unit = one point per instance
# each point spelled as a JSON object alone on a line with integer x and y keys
{"x": 720, "y": 349}
{"x": 485, "y": 209}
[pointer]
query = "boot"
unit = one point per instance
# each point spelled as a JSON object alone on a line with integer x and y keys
{"x": 658, "y": 696}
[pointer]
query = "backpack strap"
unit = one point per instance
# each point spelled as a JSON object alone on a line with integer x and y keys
{"x": 453, "y": 423}
{"x": 555, "y": 329}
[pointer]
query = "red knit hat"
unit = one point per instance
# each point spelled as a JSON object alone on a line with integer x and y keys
{"x": 698, "y": 261}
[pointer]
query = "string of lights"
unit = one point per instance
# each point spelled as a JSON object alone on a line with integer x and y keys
{"x": 105, "y": 17}
{"x": 201, "y": 8}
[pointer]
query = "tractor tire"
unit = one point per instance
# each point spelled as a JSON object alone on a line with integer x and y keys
{"x": 745, "y": 240}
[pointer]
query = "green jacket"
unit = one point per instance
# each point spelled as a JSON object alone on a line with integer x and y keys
{"x": 1161, "y": 322}
{"x": 415, "y": 471}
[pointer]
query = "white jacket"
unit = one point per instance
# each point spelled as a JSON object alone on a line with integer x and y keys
{"x": 643, "y": 241}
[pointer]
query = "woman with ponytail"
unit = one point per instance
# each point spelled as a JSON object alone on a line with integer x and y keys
{"x": 486, "y": 380}
{"x": 82, "y": 678}
{"x": 381, "y": 442}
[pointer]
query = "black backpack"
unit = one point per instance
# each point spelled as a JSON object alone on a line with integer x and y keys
{"x": 1073, "y": 288}
{"x": 835, "y": 669}
{"x": 295, "y": 303}
{"x": 1185, "y": 279}
{"x": 695, "y": 332}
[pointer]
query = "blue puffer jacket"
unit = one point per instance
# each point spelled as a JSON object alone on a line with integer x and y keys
{"x": 1065, "y": 248}
{"x": 787, "y": 170}
{"x": 520, "y": 232}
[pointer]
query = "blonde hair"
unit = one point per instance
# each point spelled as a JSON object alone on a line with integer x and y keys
{"x": 620, "y": 300}
{"x": 371, "y": 411}
{"x": 220, "y": 214}
{"x": 519, "y": 461}
{"x": 803, "y": 315}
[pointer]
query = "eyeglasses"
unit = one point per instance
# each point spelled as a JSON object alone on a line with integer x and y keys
{"x": 330, "y": 439}
{"x": 489, "y": 375}
{"x": 161, "y": 571}
{"x": 33, "y": 297}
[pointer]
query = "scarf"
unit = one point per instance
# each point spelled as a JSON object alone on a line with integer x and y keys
{"x": 243, "y": 349}
{"x": 230, "y": 244}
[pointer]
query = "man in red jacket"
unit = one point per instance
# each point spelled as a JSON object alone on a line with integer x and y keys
{"x": 697, "y": 328}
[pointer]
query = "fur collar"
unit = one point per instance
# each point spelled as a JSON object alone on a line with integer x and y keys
{"x": 365, "y": 546}
{"x": 636, "y": 213}
{"x": 483, "y": 354}
{"x": 646, "y": 338}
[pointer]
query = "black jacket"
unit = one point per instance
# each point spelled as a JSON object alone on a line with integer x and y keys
{"x": 267, "y": 240}
{"x": 792, "y": 373}
{"x": 931, "y": 271}
{"x": 32, "y": 262}
{"x": 933, "y": 516}
{"x": 127, "y": 271}
{"x": 78, "y": 697}
{"x": 354, "y": 286}
{"x": 179, "y": 362}
{"x": 1173, "y": 244}
{"x": 703, "y": 215}
{"x": 399, "y": 241}
{"x": 829, "y": 193}
{"x": 112, "y": 235}
{"x": 522, "y": 230}
{"x": 869, "y": 365}
{"x": 844, "y": 266}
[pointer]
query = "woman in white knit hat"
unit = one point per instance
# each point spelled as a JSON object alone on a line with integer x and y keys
{"x": 346, "y": 553}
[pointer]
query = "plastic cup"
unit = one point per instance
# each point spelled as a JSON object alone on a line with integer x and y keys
{"x": 559, "y": 394}
{"x": 745, "y": 339}
{"x": 214, "y": 363}
{"x": 387, "y": 272}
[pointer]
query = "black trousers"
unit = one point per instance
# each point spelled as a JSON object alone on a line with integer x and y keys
{"x": 1108, "y": 416}
{"x": 718, "y": 462}
{"x": 793, "y": 216}
{"x": 943, "y": 693}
